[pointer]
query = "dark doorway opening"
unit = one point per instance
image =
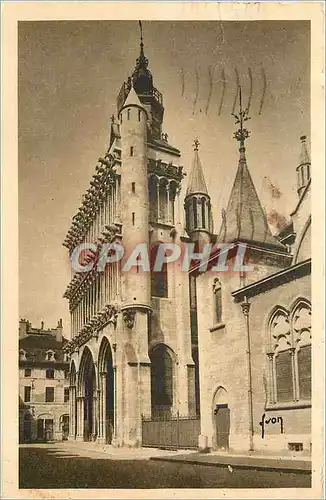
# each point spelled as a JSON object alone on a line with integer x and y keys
{"x": 222, "y": 423}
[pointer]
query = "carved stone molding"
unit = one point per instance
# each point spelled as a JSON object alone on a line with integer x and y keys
{"x": 91, "y": 329}
{"x": 129, "y": 317}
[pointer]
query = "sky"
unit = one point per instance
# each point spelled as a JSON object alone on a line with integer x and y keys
{"x": 70, "y": 73}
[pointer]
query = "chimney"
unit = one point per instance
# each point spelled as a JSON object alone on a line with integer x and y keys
{"x": 23, "y": 328}
{"x": 59, "y": 331}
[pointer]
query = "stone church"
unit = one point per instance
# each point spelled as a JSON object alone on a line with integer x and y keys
{"x": 225, "y": 357}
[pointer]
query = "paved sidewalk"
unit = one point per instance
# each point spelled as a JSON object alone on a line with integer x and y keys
{"x": 96, "y": 450}
{"x": 300, "y": 464}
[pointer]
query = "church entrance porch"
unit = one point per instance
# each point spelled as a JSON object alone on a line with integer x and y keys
{"x": 93, "y": 410}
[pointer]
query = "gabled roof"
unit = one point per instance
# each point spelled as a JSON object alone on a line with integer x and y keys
{"x": 196, "y": 183}
{"x": 244, "y": 218}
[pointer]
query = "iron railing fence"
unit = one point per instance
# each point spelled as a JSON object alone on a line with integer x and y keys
{"x": 171, "y": 431}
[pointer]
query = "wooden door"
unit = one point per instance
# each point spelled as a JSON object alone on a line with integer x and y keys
{"x": 222, "y": 422}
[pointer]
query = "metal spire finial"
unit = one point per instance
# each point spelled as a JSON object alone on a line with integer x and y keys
{"x": 142, "y": 61}
{"x": 242, "y": 133}
{"x": 196, "y": 144}
{"x": 141, "y": 35}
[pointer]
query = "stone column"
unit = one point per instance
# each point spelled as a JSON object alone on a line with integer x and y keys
{"x": 245, "y": 306}
{"x": 270, "y": 381}
{"x": 294, "y": 375}
{"x": 80, "y": 418}
{"x": 98, "y": 413}
{"x": 158, "y": 200}
{"x": 72, "y": 413}
{"x": 102, "y": 407}
{"x": 95, "y": 416}
{"x": 168, "y": 220}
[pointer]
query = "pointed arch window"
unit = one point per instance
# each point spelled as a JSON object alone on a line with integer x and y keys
{"x": 217, "y": 291}
{"x": 203, "y": 213}
{"x": 159, "y": 279}
{"x": 161, "y": 380}
{"x": 194, "y": 208}
{"x": 289, "y": 354}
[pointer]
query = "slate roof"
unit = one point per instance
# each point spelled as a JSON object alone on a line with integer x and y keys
{"x": 244, "y": 218}
{"x": 133, "y": 100}
{"x": 196, "y": 183}
{"x": 36, "y": 346}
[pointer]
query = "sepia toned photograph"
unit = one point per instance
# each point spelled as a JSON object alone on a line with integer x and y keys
{"x": 165, "y": 246}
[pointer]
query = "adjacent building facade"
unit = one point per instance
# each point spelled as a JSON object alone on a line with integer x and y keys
{"x": 43, "y": 384}
{"x": 231, "y": 349}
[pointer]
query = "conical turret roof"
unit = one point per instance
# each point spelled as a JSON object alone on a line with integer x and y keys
{"x": 244, "y": 218}
{"x": 196, "y": 183}
{"x": 132, "y": 99}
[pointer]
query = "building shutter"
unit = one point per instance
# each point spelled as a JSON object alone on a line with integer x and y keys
{"x": 304, "y": 368}
{"x": 284, "y": 380}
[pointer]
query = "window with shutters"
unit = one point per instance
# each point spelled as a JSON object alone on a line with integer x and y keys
{"x": 289, "y": 354}
{"x": 49, "y": 374}
{"x": 304, "y": 372}
{"x": 283, "y": 371}
{"x": 66, "y": 394}
{"x": 49, "y": 394}
{"x": 27, "y": 393}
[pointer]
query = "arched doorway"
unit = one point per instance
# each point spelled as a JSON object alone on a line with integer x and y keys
{"x": 161, "y": 381}
{"x": 106, "y": 392}
{"x": 45, "y": 427}
{"x": 88, "y": 390}
{"x": 221, "y": 419}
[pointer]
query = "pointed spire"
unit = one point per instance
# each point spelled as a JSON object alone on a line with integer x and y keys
{"x": 303, "y": 169}
{"x": 142, "y": 78}
{"x": 196, "y": 183}
{"x": 304, "y": 155}
{"x": 244, "y": 218}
